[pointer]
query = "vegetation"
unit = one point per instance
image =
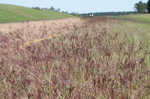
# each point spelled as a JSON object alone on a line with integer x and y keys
{"x": 12, "y": 13}
{"x": 89, "y": 62}
{"x": 108, "y": 13}
{"x": 99, "y": 58}
{"x": 142, "y": 18}
{"x": 37, "y": 8}
{"x": 51, "y": 8}
{"x": 148, "y": 4}
{"x": 141, "y": 7}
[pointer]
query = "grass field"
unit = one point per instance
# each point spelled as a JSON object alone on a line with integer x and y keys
{"x": 137, "y": 25}
{"x": 142, "y": 18}
{"x": 76, "y": 58}
{"x": 12, "y": 13}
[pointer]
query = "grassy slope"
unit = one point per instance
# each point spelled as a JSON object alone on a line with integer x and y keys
{"x": 12, "y": 13}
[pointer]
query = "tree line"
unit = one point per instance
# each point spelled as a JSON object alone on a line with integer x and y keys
{"x": 56, "y": 10}
{"x": 142, "y": 7}
{"x": 51, "y": 8}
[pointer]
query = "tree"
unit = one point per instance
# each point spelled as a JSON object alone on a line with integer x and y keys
{"x": 141, "y": 7}
{"x": 148, "y": 6}
{"x": 58, "y": 10}
{"x": 37, "y": 8}
{"x": 52, "y": 8}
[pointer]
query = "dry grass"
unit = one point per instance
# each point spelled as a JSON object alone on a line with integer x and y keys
{"x": 85, "y": 62}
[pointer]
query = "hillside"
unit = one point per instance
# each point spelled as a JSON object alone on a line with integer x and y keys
{"x": 13, "y": 13}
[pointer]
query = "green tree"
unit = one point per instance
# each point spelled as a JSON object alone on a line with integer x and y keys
{"x": 52, "y": 8}
{"x": 37, "y": 8}
{"x": 148, "y": 6}
{"x": 141, "y": 7}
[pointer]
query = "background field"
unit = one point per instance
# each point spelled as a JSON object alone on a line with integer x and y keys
{"x": 143, "y": 18}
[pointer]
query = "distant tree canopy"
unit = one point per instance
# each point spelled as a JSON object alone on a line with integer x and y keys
{"x": 52, "y": 8}
{"x": 37, "y": 8}
{"x": 141, "y": 7}
{"x": 148, "y": 6}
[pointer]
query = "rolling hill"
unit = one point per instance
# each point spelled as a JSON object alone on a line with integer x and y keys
{"x": 13, "y": 13}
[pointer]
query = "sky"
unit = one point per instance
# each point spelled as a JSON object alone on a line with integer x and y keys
{"x": 79, "y": 6}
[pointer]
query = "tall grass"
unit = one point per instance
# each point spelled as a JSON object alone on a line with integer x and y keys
{"x": 87, "y": 63}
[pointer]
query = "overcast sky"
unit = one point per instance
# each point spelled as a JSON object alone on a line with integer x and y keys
{"x": 79, "y": 6}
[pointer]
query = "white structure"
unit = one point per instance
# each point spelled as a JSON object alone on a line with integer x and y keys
{"x": 91, "y": 14}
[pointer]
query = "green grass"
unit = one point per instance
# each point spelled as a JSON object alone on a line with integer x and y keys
{"x": 12, "y": 13}
{"x": 144, "y": 18}
{"x": 135, "y": 26}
